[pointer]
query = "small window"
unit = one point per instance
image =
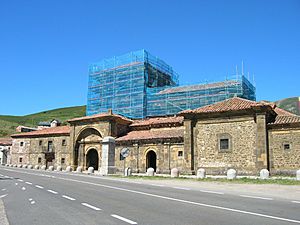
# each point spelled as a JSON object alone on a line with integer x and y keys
{"x": 224, "y": 144}
{"x": 39, "y": 160}
{"x": 63, "y": 143}
{"x": 62, "y": 160}
{"x": 50, "y": 146}
{"x": 286, "y": 147}
{"x": 20, "y": 160}
{"x": 180, "y": 153}
{"x": 21, "y": 143}
{"x": 40, "y": 142}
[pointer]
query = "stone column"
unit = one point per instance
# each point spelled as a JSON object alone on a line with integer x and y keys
{"x": 108, "y": 156}
{"x": 188, "y": 144}
{"x": 261, "y": 142}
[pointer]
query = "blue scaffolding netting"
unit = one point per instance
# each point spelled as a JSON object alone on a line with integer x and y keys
{"x": 139, "y": 85}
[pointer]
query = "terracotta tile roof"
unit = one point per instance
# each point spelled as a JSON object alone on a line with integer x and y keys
{"x": 158, "y": 121}
{"x": 232, "y": 104}
{"x": 5, "y": 141}
{"x": 152, "y": 134}
{"x": 286, "y": 119}
{"x": 60, "y": 130}
{"x": 101, "y": 116}
{"x": 282, "y": 112}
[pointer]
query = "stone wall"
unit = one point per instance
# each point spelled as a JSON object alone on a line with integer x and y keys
{"x": 241, "y": 154}
{"x": 284, "y": 160}
{"x": 18, "y": 151}
{"x": 166, "y": 157}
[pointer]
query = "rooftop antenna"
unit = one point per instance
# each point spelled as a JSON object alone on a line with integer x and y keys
{"x": 254, "y": 81}
{"x": 236, "y": 72}
{"x": 248, "y": 76}
{"x": 242, "y": 68}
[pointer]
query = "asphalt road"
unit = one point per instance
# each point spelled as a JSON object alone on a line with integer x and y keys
{"x": 40, "y": 197}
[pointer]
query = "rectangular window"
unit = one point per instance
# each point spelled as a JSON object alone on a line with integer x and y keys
{"x": 40, "y": 142}
{"x": 50, "y": 146}
{"x": 224, "y": 144}
{"x": 64, "y": 143}
{"x": 21, "y": 143}
{"x": 39, "y": 160}
{"x": 62, "y": 160}
{"x": 286, "y": 146}
{"x": 20, "y": 160}
{"x": 180, "y": 153}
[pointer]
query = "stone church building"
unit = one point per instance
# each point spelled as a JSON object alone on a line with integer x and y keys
{"x": 235, "y": 133}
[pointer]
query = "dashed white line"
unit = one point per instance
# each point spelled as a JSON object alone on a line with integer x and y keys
{"x": 68, "y": 197}
{"x": 40, "y": 187}
{"x": 256, "y": 197}
{"x": 20, "y": 180}
{"x": 53, "y": 192}
{"x": 28, "y": 183}
{"x": 182, "y": 188}
{"x": 212, "y": 192}
{"x": 6, "y": 176}
{"x": 23, "y": 188}
{"x": 123, "y": 219}
{"x": 16, "y": 183}
{"x": 297, "y": 202}
{"x": 3, "y": 189}
{"x": 2, "y": 196}
{"x": 90, "y": 206}
{"x": 157, "y": 185}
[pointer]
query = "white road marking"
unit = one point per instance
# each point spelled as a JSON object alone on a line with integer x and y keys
{"x": 32, "y": 202}
{"x": 2, "y": 196}
{"x": 38, "y": 186}
{"x": 16, "y": 183}
{"x": 68, "y": 197}
{"x": 28, "y": 183}
{"x": 182, "y": 188}
{"x": 3, "y": 189}
{"x": 90, "y": 206}
{"x": 20, "y": 180}
{"x": 123, "y": 219}
{"x": 212, "y": 192}
{"x": 298, "y": 202}
{"x": 30, "y": 199}
{"x": 23, "y": 188}
{"x": 53, "y": 192}
{"x": 158, "y": 185}
{"x": 256, "y": 197}
{"x": 171, "y": 199}
{"x": 6, "y": 176}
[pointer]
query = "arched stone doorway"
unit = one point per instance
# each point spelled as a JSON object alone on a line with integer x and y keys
{"x": 87, "y": 138}
{"x": 92, "y": 159}
{"x": 151, "y": 160}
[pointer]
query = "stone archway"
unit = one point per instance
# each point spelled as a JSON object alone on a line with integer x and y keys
{"x": 92, "y": 159}
{"x": 86, "y": 138}
{"x": 151, "y": 159}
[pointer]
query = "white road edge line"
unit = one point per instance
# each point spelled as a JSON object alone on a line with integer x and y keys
{"x": 123, "y": 219}
{"x": 68, "y": 197}
{"x": 256, "y": 197}
{"x": 212, "y": 192}
{"x": 158, "y": 185}
{"x": 298, "y": 202}
{"x": 28, "y": 183}
{"x": 182, "y": 188}
{"x": 38, "y": 186}
{"x": 53, "y": 192}
{"x": 172, "y": 199}
{"x": 90, "y": 206}
{"x": 2, "y": 196}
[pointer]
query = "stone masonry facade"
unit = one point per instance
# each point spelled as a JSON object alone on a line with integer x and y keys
{"x": 236, "y": 133}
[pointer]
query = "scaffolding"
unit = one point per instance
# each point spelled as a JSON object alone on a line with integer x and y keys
{"x": 139, "y": 85}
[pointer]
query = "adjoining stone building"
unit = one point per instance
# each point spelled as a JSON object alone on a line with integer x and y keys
{"x": 235, "y": 133}
{"x": 5, "y": 146}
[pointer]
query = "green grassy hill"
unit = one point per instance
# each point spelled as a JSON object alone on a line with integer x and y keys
{"x": 290, "y": 104}
{"x": 8, "y": 124}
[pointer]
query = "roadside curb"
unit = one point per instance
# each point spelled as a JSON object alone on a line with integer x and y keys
{"x": 3, "y": 217}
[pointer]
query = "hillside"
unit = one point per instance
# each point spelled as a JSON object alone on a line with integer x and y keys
{"x": 8, "y": 124}
{"x": 290, "y": 104}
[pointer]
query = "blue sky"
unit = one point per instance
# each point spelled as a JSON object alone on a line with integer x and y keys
{"x": 46, "y": 46}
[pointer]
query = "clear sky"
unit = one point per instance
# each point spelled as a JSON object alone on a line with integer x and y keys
{"x": 46, "y": 46}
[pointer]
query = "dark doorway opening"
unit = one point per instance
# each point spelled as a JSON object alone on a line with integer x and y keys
{"x": 151, "y": 160}
{"x": 92, "y": 159}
